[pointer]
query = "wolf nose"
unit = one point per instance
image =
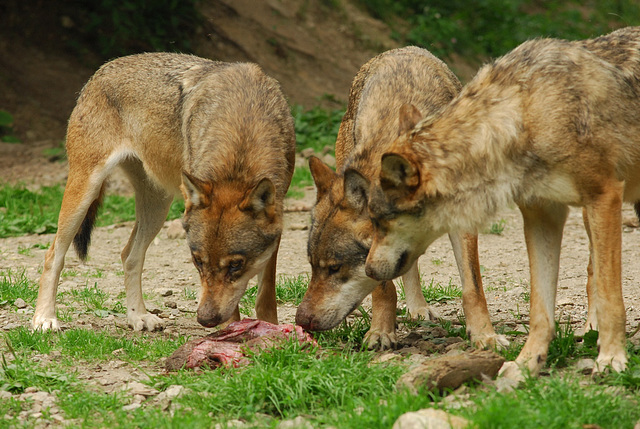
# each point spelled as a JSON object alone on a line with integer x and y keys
{"x": 209, "y": 321}
{"x": 370, "y": 271}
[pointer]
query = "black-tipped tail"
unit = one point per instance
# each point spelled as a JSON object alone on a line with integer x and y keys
{"x": 82, "y": 240}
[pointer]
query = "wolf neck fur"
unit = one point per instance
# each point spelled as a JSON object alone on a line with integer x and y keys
{"x": 469, "y": 155}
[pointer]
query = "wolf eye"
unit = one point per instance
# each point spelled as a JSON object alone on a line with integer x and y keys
{"x": 197, "y": 261}
{"x": 334, "y": 268}
{"x": 235, "y": 265}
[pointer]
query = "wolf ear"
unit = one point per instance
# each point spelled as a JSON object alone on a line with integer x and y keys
{"x": 323, "y": 176}
{"x": 356, "y": 189}
{"x": 409, "y": 118}
{"x": 261, "y": 199}
{"x": 398, "y": 173}
{"x": 196, "y": 192}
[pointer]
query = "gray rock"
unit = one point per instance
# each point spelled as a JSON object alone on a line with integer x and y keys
{"x": 430, "y": 418}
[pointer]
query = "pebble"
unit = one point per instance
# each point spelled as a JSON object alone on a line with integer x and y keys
{"x": 20, "y": 303}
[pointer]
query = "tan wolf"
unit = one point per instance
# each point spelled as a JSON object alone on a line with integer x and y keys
{"x": 341, "y": 231}
{"x": 549, "y": 125}
{"x": 222, "y": 133}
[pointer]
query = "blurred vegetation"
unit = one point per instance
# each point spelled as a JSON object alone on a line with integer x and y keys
{"x": 6, "y": 128}
{"x": 490, "y": 28}
{"x": 120, "y": 27}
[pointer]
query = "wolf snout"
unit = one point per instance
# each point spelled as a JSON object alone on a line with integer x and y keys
{"x": 208, "y": 316}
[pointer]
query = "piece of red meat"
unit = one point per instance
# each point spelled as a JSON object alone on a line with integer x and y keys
{"x": 228, "y": 346}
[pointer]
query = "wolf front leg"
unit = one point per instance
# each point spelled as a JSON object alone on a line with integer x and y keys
{"x": 543, "y": 227}
{"x": 382, "y": 334}
{"x": 479, "y": 328}
{"x": 152, "y": 206}
{"x": 266, "y": 304}
{"x": 416, "y": 304}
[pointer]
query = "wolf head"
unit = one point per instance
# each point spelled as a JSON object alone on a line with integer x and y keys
{"x": 232, "y": 232}
{"x": 399, "y": 204}
{"x": 339, "y": 242}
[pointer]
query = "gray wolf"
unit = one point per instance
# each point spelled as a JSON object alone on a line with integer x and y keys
{"x": 549, "y": 125}
{"x": 219, "y": 133}
{"x": 341, "y": 231}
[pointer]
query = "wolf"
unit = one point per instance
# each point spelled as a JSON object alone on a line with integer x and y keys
{"x": 341, "y": 231}
{"x": 549, "y": 125}
{"x": 221, "y": 134}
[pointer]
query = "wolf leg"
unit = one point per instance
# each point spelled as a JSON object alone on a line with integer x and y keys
{"x": 81, "y": 191}
{"x": 479, "y": 328}
{"x": 266, "y": 305}
{"x": 152, "y": 206}
{"x": 543, "y": 226}
{"x": 604, "y": 220}
{"x": 416, "y": 304}
{"x": 382, "y": 334}
{"x": 592, "y": 320}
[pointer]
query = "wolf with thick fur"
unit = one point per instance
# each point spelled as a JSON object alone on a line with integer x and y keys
{"x": 220, "y": 133}
{"x": 341, "y": 231}
{"x": 551, "y": 124}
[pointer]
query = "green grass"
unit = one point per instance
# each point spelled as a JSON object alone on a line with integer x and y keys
{"x": 316, "y": 127}
{"x": 288, "y": 290}
{"x": 301, "y": 178}
{"x": 489, "y": 28}
{"x": 16, "y": 284}
{"x": 36, "y": 212}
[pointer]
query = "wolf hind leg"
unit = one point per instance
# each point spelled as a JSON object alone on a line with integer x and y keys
{"x": 605, "y": 237}
{"x": 80, "y": 193}
{"x": 152, "y": 207}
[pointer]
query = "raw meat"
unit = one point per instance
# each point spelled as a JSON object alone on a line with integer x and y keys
{"x": 228, "y": 346}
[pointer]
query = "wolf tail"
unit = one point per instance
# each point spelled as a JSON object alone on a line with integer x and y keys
{"x": 82, "y": 240}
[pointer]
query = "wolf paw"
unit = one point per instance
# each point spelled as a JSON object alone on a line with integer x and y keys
{"x": 40, "y": 323}
{"x": 490, "y": 341}
{"x": 512, "y": 371}
{"x": 424, "y": 313}
{"x": 605, "y": 364}
{"x": 145, "y": 322}
{"x": 378, "y": 340}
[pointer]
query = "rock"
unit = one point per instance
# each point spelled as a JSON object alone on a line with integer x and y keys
{"x": 171, "y": 304}
{"x": 297, "y": 423}
{"x": 137, "y": 388}
{"x": 299, "y": 206}
{"x": 175, "y": 230}
{"x": 20, "y": 303}
{"x": 430, "y": 418}
{"x": 131, "y": 407}
{"x": 516, "y": 291}
{"x": 450, "y": 371}
{"x": 585, "y": 366}
{"x": 327, "y": 149}
{"x": 298, "y": 227}
{"x": 171, "y": 392}
{"x": 165, "y": 292}
{"x": 330, "y": 160}
{"x": 307, "y": 153}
